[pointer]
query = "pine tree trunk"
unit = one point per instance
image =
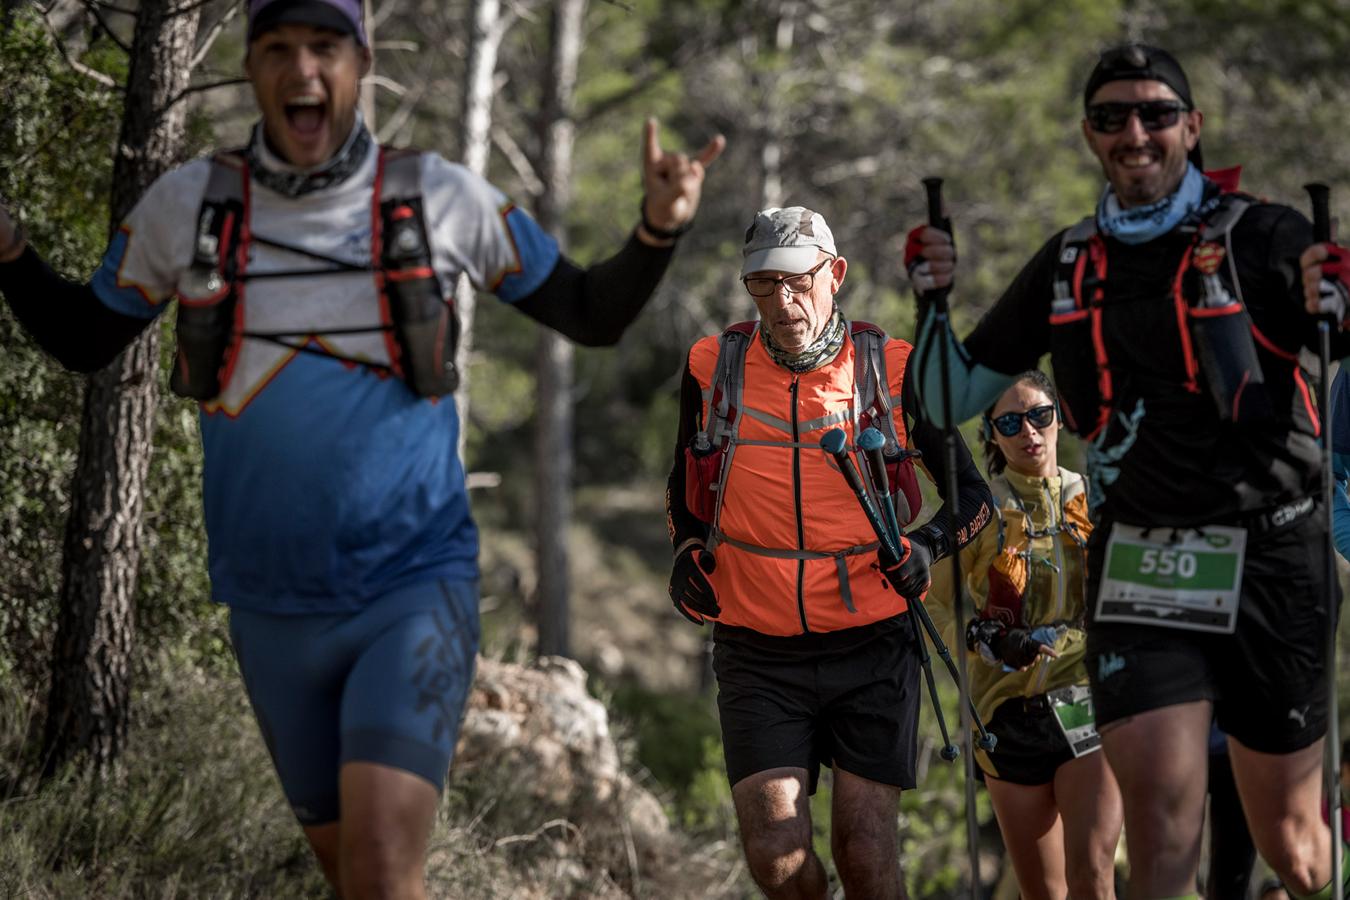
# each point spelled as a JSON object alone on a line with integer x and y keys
{"x": 553, "y": 429}
{"x": 88, "y": 707}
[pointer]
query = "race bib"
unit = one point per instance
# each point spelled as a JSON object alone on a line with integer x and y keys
{"x": 1072, "y": 707}
{"x": 1184, "y": 578}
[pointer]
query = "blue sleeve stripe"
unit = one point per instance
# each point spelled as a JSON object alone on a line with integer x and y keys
{"x": 536, "y": 255}
{"x": 974, "y": 387}
{"x": 125, "y": 297}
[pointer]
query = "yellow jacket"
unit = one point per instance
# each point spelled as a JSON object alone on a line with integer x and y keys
{"x": 1047, "y": 569}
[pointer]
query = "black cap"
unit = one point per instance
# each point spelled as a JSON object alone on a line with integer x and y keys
{"x": 1140, "y": 62}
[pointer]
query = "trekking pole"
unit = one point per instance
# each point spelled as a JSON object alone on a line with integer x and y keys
{"x": 1320, "y": 195}
{"x": 941, "y": 328}
{"x": 871, "y": 442}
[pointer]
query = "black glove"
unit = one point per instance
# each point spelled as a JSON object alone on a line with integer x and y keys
{"x": 690, "y": 590}
{"x": 997, "y": 643}
{"x": 909, "y": 576}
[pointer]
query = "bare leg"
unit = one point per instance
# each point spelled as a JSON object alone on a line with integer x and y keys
{"x": 323, "y": 840}
{"x": 1034, "y": 836}
{"x": 1160, "y": 759}
{"x": 1281, "y": 794}
{"x": 1089, "y": 804}
{"x": 774, "y": 813}
{"x": 387, "y": 815}
{"x": 863, "y": 825}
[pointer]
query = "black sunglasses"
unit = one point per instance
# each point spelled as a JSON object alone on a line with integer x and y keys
{"x": 1009, "y": 424}
{"x": 760, "y": 286}
{"x": 1154, "y": 115}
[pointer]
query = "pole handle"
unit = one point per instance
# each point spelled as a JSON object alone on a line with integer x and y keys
{"x": 932, "y": 186}
{"x": 1320, "y": 195}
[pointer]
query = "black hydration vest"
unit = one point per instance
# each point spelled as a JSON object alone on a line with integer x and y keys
{"x": 416, "y": 316}
{"x": 1217, "y": 336}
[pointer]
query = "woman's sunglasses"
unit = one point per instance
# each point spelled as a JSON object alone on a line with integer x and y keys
{"x": 1009, "y": 424}
{"x": 1154, "y": 115}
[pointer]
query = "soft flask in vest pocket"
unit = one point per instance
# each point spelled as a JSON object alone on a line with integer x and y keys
{"x": 702, "y": 468}
{"x": 1222, "y": 332}
{"x": 207, "y": 297}
{"x": 426, "y": 327}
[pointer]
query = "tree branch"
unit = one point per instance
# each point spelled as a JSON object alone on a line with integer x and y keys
{"x": 189, "y": 7}
{"x": 395, "y": 122}
{"x": 529, "y": 178}
{"x": 103, "y": 23}
{"x": 388, "y": 84}
{"x": 206, "y": 86}
{"x": 76, "y": 65}
{"x": 113, "y": 7}
{"x": 212, "y": 34}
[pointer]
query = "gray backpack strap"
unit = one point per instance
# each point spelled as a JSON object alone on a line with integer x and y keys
{"x": 871, "y": 383}
{"x": 1218, "y": 228}
{"x": 725, "y": 406}
{"x": 1070, "y": 245}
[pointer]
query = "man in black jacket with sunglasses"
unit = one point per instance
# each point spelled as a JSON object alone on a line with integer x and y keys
{"x": 1174, "y": 317}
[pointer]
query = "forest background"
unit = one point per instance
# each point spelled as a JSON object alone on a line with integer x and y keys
{"x": 840, "y": 106}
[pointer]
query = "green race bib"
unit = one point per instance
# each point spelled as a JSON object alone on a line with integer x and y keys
{"x": 1175, "y": 578}
{"x": 1073, "y": 711}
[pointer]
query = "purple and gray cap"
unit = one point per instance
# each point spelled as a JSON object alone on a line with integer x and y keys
{"x": 786, "y": 239}
{"x": 342, "y": 16}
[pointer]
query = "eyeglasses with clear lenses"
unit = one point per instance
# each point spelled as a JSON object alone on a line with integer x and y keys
{"x": 1010, "y": 424}
{"x": 1154, "y": 115}
{"x": 762, "y": 286}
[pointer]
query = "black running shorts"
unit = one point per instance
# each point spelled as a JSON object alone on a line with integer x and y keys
{"x": 845, "y": 698}
{"x": 1030, "y": 745}
{"x": 1267, "y": 680}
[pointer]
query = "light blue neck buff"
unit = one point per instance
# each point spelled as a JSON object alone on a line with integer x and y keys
{"x": 1140, "y": 224}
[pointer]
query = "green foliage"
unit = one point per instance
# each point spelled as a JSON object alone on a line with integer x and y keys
{"x": 56, "y": 132}
{"x": 672, "y": 731}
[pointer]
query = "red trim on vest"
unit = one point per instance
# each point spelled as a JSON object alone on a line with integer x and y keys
{"x": 409, "y": 274}
{"x": 1272, "y": 346}
{"x": 1307, "y": 402}
{"x": 1097, "y": 253}
{"x": 1212, "y": 312}
{"x": 1183, "y": 329}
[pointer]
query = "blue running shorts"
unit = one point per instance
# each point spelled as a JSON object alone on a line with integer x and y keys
{"x": 385, "y": 685}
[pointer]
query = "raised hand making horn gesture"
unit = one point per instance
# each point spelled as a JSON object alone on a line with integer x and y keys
{"x": 672, "y": 184}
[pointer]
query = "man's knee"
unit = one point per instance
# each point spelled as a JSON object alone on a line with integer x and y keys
{"x": 865, "y": 849}
{"x": 1293, "y": 854}
{"x": 379, "y": 867}
{"x": 777, "y": 854}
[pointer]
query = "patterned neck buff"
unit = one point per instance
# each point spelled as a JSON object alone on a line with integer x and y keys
{"x": 1141, "y": 224}
{"x": 822, "y": 350}
{"x": 275, "y": 174}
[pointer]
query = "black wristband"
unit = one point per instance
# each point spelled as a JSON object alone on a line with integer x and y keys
{"x": 661, "y": 233}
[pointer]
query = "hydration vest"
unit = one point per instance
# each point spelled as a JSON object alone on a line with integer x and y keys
{"x": 418, "y": 320}
{"x": 765, "y": 555}
{"x": 1217, "y": 335}
{"x": 716, "y": 441}
{"x": 1009, "y": 574}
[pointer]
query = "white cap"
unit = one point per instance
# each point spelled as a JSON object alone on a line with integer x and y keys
{"x": 786, "y": 239}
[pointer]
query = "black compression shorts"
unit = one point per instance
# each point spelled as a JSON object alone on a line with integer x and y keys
{"x": 847, "y": 698}
{"x": 1267, "y": 680}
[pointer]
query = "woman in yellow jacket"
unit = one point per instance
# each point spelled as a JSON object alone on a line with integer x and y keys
{"x": 1057, "y": 802}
